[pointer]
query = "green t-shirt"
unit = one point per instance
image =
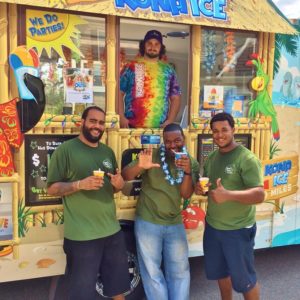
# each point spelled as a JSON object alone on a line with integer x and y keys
{"x": 91, "y": 214}
{"x": 238, "y": 169}
{"x": 159, "y": 202}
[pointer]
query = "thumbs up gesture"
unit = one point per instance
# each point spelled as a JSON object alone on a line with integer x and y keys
{"x": 219, "y": 194}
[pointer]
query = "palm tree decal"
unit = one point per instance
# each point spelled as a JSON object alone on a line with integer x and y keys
{"x": 289, "y": 43}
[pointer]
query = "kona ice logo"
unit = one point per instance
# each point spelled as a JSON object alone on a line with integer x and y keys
{"x": 279, "y": 171}
{"x": 214, "y": 9}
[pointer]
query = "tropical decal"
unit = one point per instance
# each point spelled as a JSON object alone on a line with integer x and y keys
{"x": 24, "y": 61}
{"x": 49, "y": 30}
{"x": 10, "y": 136}
{"x": 263, "y": 103}
{"x": 286, "y": 86}
{"x": 18, "y": 116}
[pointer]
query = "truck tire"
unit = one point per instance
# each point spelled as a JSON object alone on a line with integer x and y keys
{"x": 136, "y": 291}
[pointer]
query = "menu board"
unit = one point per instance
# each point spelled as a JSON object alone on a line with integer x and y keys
{"x": 206, "y": 145}
{"x": 38, "y": 151}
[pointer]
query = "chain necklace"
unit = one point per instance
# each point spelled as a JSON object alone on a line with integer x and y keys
{"x": 165, "y": 167}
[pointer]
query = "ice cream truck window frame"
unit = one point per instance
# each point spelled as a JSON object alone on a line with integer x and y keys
{"x": 224, "y": 77}
{"x": 82, "y": 43}
{"x": 176, "y": 38}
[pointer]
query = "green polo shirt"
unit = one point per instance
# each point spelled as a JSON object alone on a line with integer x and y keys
{"x": 89, "y": 214}
{"x": 160, "y": 202}
{"x": 238, "y": 169}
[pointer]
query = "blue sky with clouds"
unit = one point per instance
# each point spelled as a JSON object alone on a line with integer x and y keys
{"x": 290, "y": 8}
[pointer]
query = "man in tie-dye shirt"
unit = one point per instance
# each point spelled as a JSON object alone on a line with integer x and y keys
{"x": 150, "y": 93}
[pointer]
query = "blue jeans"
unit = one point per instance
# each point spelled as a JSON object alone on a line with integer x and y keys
{"x": 155, "y": 242}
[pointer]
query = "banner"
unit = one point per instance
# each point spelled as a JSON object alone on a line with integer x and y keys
{"x": 52, "y": 30}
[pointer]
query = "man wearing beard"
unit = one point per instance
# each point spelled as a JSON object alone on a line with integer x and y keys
{"x": 158, "y": 225}
{"x": 93, "y": 240}
{"x": 149, "y": 90}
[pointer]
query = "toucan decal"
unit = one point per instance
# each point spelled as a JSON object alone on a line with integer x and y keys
{"x": 20, "y": 115}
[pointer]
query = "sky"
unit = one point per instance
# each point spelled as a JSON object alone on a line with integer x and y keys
{"x": 290, "y": 8}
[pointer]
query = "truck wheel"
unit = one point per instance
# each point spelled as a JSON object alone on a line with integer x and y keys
{"x": 136, "y": 291}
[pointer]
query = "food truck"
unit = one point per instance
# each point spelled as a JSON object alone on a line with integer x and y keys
{"x": 223, "y": 53}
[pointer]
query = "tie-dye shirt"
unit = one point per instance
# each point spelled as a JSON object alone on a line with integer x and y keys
{"x": 147, "y": 87}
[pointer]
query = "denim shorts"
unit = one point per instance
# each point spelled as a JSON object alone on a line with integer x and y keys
{"x": 86, "y": 259}
{"x": 230, "y": 253}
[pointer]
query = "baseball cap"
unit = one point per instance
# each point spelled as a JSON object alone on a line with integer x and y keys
{"x": 153, "y": 34}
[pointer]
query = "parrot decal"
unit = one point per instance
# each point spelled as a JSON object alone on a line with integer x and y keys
{"x": 263, "y": 103}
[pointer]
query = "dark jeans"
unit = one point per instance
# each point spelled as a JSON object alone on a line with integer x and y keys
{"x": 86, "y": 259}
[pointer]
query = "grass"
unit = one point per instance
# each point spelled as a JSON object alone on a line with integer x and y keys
{"x": 42, "y": 221}
{"x": 24, "y": 216}
{"x": 60, "y": 217}
{"x": 280, "y": 207}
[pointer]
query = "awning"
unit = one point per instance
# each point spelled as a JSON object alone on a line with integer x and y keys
{"x": 253, "y": 15}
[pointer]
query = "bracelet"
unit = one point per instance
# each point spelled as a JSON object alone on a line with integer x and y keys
{"x": 188, "y": 174}
{"x": 77, "y": 186}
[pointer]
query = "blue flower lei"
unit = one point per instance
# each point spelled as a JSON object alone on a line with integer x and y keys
{"x": 165, "y": 167}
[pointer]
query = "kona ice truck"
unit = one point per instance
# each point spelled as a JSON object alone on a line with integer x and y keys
{"x": 60, "y": 56}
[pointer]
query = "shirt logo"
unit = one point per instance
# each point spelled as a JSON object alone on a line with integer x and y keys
{"x": 107, "y": 164}
{"x": 139, "y": 80}
{"x": 230, "y": 169}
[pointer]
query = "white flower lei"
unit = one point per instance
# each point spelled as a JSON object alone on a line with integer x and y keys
{"x": 165, "y": 167}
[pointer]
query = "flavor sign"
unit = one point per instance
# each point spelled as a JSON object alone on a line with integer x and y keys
{"x": 280, "y": 176}
{"x": 51, "y": 30}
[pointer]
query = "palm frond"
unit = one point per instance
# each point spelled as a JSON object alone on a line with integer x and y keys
{"x": 42, "y": 221}
{"x": 289, "y": 43}
{"x": 274, "y": 149}
{"x": 60, "y": 217}
{"x": 280, "y": 208}
{"x": 277, "y": 57}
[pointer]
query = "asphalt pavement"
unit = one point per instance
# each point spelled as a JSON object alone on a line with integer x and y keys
{"x": 278, "y": 272}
